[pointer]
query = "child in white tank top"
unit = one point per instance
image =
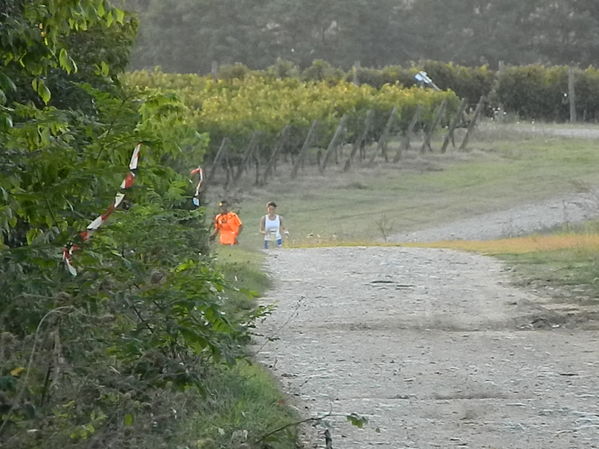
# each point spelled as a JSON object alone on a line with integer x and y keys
{"x": 271, "y": 226}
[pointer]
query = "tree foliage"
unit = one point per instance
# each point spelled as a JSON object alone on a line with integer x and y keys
{"x": 187, "y": 36}
{"x": 93, "y": 360}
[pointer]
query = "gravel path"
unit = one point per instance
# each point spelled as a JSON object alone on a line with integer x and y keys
{"x": 582, "y": 132}
{"x": 513, "y": 222}
{"x": 434, "y": 347}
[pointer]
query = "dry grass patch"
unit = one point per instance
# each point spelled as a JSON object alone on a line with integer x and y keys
{"x": 520, "y": 245}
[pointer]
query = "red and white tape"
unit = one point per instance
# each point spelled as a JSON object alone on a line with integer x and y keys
{"x": 67, "y": 251}
{"x": 196, "y": 195}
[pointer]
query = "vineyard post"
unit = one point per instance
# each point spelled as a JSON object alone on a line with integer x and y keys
{"x": 333, "y": 143}
{"x": 439, "y": 110}
{"x": 256, "y": 157}
{"x": 304, "y": 149}
{"x": 217, "y": 158}
{"x": 251, "y": 149}
{"x": 477, "y": 112}
{"x": 370, "y": 124}
{"x": 272, "y": 160}
{"x": 247, "y": 154}
{"x": 228, "y": 170}
{"x": 399, "y": 152}
{"x": 382, "y": 143}
{"x": 405, "y": 146}
{"x": 359, "y": 142}
{"x": 452, "y": 126}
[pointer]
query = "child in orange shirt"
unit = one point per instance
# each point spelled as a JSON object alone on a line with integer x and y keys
{"x": 227, "y": 224}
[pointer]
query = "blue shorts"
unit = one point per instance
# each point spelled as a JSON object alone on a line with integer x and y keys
{"x": 279, "y": 243}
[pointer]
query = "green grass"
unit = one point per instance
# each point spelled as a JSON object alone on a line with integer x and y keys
{"x": 243, "y": 398}
{"x": 242, "y": 268}
{"x": 569, "y": 275}
{"x": 422, "y": 191}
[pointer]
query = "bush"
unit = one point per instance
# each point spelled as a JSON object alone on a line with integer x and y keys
{"x": 534, "y": 92}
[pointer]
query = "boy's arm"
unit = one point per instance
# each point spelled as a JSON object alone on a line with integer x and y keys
{"x": 240, "y": 227}
{"x": 283, "y": 228}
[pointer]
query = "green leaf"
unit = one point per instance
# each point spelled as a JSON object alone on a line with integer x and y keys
{"x": 6, "y": 83}
{"x": 104, "y": 69}
{"x": 195, "y": 341}
{"x": 73, "y": 64}
{"x": 66, "y": 62}
{"x": 357, "y": 420}
{"x": 5, "y": 121}
{"x": 32, "y": 234}
{"x": 128, "y": 420}
{"x": 39, "y": 86}
{"x": 120, "y": 15}
{"x": 249, "y": 292}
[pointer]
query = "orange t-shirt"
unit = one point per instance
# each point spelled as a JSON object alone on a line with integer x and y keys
{"x": 228, "y": 227}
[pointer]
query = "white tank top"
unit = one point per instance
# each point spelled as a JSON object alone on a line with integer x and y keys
{"x": 272, "y": 228}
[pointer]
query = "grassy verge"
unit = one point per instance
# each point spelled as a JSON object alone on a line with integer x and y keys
{"x": 568, "y": 272}
{"x": 242, "y": 406}
{"x": 243, "y": 403}
{"x": 242, "y": 268}
{"x": 569, "y": 275}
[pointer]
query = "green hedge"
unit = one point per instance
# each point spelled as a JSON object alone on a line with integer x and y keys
{"x": 533, "y": 92}
{"x": 525, "y": 92}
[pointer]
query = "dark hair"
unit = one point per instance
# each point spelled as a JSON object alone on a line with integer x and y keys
{"x": 271, "y": 203}
{"x": 223, "y": 203}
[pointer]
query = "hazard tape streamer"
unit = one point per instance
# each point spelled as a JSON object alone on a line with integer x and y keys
{"x": 196, "y": 195}
{"x": 68, "y": 250}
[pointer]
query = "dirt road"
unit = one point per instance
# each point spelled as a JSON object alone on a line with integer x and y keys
{"x": 434, "y": 347}
{"x": 519, "y": 220}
